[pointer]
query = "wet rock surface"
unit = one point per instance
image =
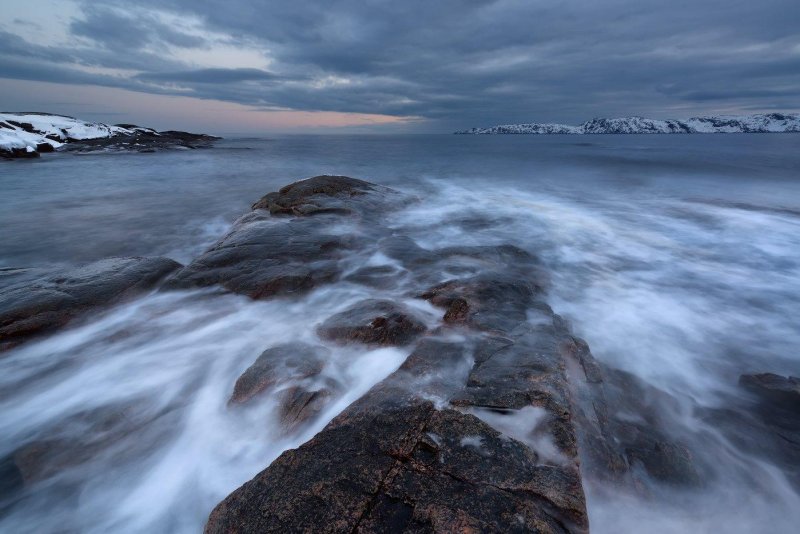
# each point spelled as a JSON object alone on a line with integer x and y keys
{"x": 482, "y": 428}
{"x": 373, "y": 322}
{"x": 31, "y": 307}
{"x": 410, "y": 455}
{"x": 394, "y": 461}
{"x": 300, "y": 404}
{"x": 327, "y": 194}
{"x": 266, "y": 255}
{"x": 293, "y": 372}
{"x": 278, "y": 365}
{"x": 262, "y": 259}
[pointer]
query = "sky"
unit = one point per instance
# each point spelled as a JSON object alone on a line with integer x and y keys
{"x": 374, "y": 66}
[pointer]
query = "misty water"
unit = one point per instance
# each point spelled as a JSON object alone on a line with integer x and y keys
{"x": 677, "y": 258}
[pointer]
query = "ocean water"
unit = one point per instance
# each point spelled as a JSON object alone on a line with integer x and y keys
{"x": 676, "y": 257}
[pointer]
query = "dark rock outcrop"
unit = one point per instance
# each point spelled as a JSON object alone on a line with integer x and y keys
{"x": 142, "y": 140}
{"x": 18, "y": 153}
{"x": 488, "y": 301}
{"x": 394, "y": 462}
{"x": 373, "y": 322}
{"x": 262, "y": 258}
{"x": 265, "y": 256}
{"x": 414, "y": 453}
{"x": 325, "y": 194}
{"x": 33, "y": 307}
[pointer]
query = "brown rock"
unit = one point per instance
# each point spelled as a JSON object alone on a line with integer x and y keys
{"x": 488, "y": 301}
{"x": 340, "y": 195}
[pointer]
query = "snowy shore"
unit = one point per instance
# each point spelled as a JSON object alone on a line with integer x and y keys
{"x": 28, "y": 134}
{"x": 767, "y": 123}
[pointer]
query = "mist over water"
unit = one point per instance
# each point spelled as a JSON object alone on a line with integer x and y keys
{"x": 677, "y": 258}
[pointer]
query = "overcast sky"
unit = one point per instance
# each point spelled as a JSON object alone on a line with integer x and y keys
{"x": 387, "y": 66}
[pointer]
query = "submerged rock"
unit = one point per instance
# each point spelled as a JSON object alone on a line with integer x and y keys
{"x": 12, "y": 482}
{"x": 278, "y": 365}
{"x": 623, "y": 425}
{"x": 768, "y": 423}
{"x": 44, "y": 304}
{"x": 776, "y": 389}
{"x": 294, "y": 372}
{"x": 95, "y": 435}
{"x": 300, "y": 404}
{"x": 373, "y": 322}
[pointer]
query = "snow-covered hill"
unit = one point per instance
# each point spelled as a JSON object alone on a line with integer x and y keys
{"x": 768, "y": 123}
{"x": 28, "y": 134}
{"x": 27, "y": 131}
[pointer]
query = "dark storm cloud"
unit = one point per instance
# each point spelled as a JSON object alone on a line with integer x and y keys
{"x": 221, "y": 76}
{"x": 118, "y": 30}
{"x": 458, "y": 62}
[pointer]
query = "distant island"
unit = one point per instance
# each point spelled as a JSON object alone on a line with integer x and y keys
{"x": 765, "y": 123}
{"x": 27, "y": 134}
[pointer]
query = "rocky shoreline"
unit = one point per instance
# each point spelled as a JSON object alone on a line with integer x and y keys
{"x": 497, "y": 421}
{"x": 28, "y": 135}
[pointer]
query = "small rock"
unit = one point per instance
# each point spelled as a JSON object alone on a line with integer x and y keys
{"x": 488, "y": 301}
{"x": 299, "y": 405}
{"x": 278, "y": 365}
{"x": 373, "y": 322}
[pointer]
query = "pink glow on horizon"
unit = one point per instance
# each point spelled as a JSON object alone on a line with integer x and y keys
{"x": 112, "y": 105}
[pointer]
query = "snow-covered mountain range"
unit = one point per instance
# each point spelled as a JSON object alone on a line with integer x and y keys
{"x": 765, "y": 123}
{"x": 27, "y": 134}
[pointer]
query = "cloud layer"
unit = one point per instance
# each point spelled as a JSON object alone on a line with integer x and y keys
{"x": 454, "y": 63}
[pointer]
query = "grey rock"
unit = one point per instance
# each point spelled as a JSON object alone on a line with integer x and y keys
{"x": 41, "y": 305}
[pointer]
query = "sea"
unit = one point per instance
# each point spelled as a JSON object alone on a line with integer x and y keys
{"x": 676, "y": 257}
